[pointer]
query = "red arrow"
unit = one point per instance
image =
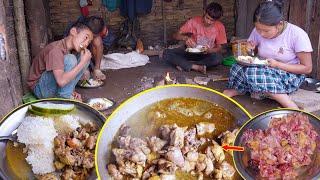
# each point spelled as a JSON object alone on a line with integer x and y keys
{"x": 234, "y": 148}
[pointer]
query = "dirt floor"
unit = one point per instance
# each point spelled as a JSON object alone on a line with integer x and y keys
{"x": 124, "y": 83}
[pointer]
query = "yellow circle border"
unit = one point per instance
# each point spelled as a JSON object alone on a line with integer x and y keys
{"x": 152, "y": 89}
{"x": 261, "y": 114}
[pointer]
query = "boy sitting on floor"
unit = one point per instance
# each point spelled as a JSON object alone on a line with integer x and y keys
{"x": 100, "y": 31}
{"x": 207, "y": 31}
{"x": 55, "y": 71}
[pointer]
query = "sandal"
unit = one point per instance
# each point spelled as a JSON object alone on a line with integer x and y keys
{"x": 98, "y": 74}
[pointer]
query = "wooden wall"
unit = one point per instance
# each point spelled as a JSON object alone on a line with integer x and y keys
{"x": 64, "y": 11}
{"x": 304, "y": 13}
{"x": 10, "y": 78}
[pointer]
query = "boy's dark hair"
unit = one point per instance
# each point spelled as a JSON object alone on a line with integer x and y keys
{"x": 269, "y": 13}
{"x": 214, "y": 10}
{"x": 96, "y": 24}
{"x": 79, "y": 26}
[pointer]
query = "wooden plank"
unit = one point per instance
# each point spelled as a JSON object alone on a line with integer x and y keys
{"x": 286, "y": 10}
{"x": 314, "y": 36}
{"x": 241, "y": 18}
{"x": 244, "y": 17}
{"x": 37, "y": 25}
{"x": 297, "y": 13}
{"x": 317, "y": 63}
{"x": 309, "y": 9}
{"x": 251, "y": 7}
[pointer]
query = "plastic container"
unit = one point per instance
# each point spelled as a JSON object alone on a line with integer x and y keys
{"x": 239, "y": 47}
{"x": 229, "y": 61}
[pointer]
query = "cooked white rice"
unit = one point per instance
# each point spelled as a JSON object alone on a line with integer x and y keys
{"x": 41, "y": 158}
{"x": 38, "y": 133}
{"x": 36, "y": 130}
{"x": 66, "y": 123}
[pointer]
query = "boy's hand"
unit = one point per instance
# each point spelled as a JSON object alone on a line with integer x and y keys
{"x": 190, "y": 42}
{"x": 86, "y": 55}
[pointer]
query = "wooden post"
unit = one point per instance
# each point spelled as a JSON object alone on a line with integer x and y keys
{"x": 164, "y": 21}
{"x": 205, "y": 3}
{"x": 244, "y": 17}
{"x": 309, "y": 9}
{"x": 241, "y": 18}
{"x": 316, "y": 64}
{"x": 38, "y": 25}
{"x": 251, "y": 7}
{"x": 315, "y": 38}
{"x": 22, "y": 42}
{"x": 297, "y": 14}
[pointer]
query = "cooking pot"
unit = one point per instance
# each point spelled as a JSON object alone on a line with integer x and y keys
{"x": 141, "y": 100}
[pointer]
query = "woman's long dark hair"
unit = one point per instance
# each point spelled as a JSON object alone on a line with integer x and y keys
{"x": 269, "y": 13}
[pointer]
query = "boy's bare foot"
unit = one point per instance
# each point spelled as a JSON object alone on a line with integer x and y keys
{"x": 76, "y": 96}
{"x": 199, "y": 68}
{"x": 179, "y": 68}
{"x": 98, "y": 74}
{"x": 203, "y": 69}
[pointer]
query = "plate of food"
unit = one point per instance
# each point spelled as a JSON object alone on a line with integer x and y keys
{"x": 251, "y": 61}
{"x": 90, "y": 83}
{"x": 311, "y": 84}
{"x": 279, "y": 144}
{"x": 100, "y": 104}
{"x": 49, "y": 139}
{"x": 199, "y": 49}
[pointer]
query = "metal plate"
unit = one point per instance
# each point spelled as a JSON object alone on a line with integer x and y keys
{"x": 102, "y": 101}
{"x": 311, "y": 84}
{"x": 262, "y": 122}
{"x": 14, "y": 119}
{"x": 138, "y": 102}
{"x": 201, "y": 52}
{"x": 90, "y": 87}
{"x": 250, "y": 64}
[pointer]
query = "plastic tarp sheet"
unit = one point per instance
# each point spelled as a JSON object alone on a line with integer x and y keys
{"x": 120, "y": 60}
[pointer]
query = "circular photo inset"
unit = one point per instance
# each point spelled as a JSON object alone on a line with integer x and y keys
{"x": 50, "y": 139}
{"x": 279, "y": 144}
{"x": 172, "y": 131}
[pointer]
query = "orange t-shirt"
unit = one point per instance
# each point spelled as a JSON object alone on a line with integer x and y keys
{"x": 50, "y": 58}
{"x": 202, "y": 35}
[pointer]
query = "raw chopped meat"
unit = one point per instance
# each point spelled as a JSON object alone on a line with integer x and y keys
{"x": 286, "y": 145}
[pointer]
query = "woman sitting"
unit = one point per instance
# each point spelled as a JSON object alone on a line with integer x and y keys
{"x": 287, "y": 49}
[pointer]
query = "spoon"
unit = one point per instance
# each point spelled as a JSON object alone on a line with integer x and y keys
{"x": 13, "y": 137}
{"x": 251, "y": 52}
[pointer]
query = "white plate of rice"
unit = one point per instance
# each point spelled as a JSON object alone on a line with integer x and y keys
{"x": 37, "y": 134}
